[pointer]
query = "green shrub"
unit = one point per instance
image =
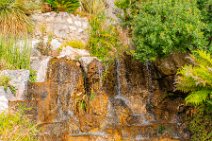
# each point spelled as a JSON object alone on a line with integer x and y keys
{"x": 13, "y": 56}
{"x": 64, "y": 5}
{"x": 197, "y": 79}
{"x": 17, "y": 127}
{"x": 130, "y": 9}
{"x": 13, "y": 17}
{"x": 163, "y": 27}
{"x": 205, "y": 7}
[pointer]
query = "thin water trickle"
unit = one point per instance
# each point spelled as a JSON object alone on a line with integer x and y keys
{"x": 149, "y": 85}
{"x": 149, "y": 82}
{"x": 118, "y": 84}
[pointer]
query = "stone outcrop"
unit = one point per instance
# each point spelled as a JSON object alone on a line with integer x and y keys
{"x": 5, "y": 96}
{"x": 19, "y": 80}
{"x": 61, "y": 26}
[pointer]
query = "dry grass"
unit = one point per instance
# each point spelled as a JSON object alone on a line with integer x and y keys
{"x": 13, "y": 17}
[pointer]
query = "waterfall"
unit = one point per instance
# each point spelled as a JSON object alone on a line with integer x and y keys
{"x": 149, "y": 85}
{"x": 118, "y": 84}
{"x": 149, "y": 82}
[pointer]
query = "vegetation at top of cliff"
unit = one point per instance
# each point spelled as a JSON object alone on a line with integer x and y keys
{"x": 164, "y": 27}
{"x": 104, "y": 36}
{"x": 64, "y": 5}
{"x": 17, "y": 127}
{"x": 197, "y": 79}
{"x": 14, "y": 19}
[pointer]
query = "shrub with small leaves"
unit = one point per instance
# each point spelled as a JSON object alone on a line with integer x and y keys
{"x": 164, "y": 27}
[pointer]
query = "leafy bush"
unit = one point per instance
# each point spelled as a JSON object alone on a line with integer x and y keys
{"x": 64, "y": 5}
{"x": 205, "y": 7}
{"x": 130, "y": 9}
{"x": 16, "y": 127}
{"x": 13, "y": 17}
{"x": 163, "y": 27}
{"x": 197, "y": 80}
{"x": 13, "y": 56}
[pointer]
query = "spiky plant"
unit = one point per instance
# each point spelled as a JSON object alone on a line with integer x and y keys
{"x": 196, "y": 79}
{"x": 13, "y": 17}
{"x": 92, "y": 6}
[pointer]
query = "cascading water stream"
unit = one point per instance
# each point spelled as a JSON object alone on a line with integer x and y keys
{"x": 118, "y": 83}
{"x": 149, "y": 82}
{"x": 149, "y": 85}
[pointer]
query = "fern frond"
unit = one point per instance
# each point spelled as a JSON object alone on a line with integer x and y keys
{"x": 198, "y": 97}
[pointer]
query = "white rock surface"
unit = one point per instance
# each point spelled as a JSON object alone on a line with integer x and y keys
{"x": 61, "y": 25}
{"x": 55, "y": 44}
{"x": 40, "y": 64}
{"x": 18, "y": 79}
{"x": 5, "y": 96}
{"x": 73, "y": 53}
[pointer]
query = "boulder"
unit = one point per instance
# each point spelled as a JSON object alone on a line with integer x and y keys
{"x": 5, "y": 96}
{"x": 73, "y": 53}
{"x": 19, "y": 80}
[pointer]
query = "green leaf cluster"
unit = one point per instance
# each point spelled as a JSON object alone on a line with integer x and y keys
{"x": 197, "y": 79}
{"x": 64, "y": 5}
{"x": 164, "y": 27}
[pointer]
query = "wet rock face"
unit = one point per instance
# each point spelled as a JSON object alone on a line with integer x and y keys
{"x": 77, "y": 103}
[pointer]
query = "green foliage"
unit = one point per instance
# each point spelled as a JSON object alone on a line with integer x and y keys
{"x": 161, "y": 129}
{"x": 33, "y": 76}
{"x": 103, "y": 41}
{"x": 14, "y": 56}
{"x": 163, "y": 27}
{"x": 16, "y": 127}
{"x": 205, "y": 7}
{"x": 73, "y": 43}
{"x": 197, "y": 79}
{"x": 13, "y": 17}
{"x": 4, "y": 81}
{"x": 64, "y": 5}
{"x": 130, "y": 9}
{"x": 92, "y": 6}
{"x": 200, "y": 125}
